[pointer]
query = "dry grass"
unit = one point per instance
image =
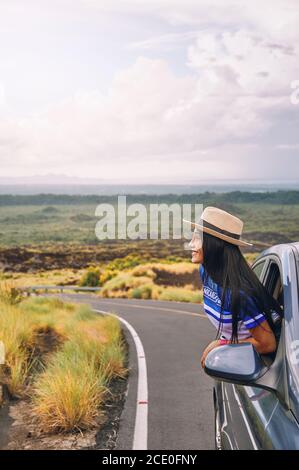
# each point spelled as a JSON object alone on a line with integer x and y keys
{"x": 172, "y": 268}
{"x": 178, "y": 294}
{"x": 16, "y": 333}
{"x": 141, "y": 282}
{"x": 145, "y": 282}
{"x": 52, "y": 277}
{"x": 9, "y": 292}
{"x": 68, "y": 388}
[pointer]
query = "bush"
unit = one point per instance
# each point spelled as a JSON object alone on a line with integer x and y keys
{"x": 144, "y": 270}
{"x": 131, "y": 263}
{"x": 69, "y": 385}
{"x": 17, "y": 335}
{"x": 106, "y": 275}
{"x": 123, "y": 282}
{"x": 178, "y": 294}
{"x": 127, "y": 262}
{"x": 69, "y": 393}
{"x": 142, "y": 292}
{"x": 9, "y": 293}
{"x": 91, "y": 278}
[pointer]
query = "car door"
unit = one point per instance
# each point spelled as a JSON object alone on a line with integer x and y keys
{"x": 236, "y": 428}
{"x": 256, "y": 418}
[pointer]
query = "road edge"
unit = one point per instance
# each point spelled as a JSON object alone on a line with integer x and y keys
{"x": 134, "y": 417}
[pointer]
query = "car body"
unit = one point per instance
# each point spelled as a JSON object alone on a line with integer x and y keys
{"x": 261, "y": 410}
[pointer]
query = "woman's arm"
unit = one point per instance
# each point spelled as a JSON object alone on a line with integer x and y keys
{"x": 212, "y": 345}
{"x": 263, "y": 338}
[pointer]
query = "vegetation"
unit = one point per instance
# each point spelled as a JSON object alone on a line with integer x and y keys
{"x": 161, "y": 281}
{"x": 54, "y": 277}
{"x": 63, "y": 357}
{"x": 271, "y": 197}
{"x": 9, "y": 293}
{"x": 172, "y": 278}
{"x": 91, "y": 278}
{"x": 270, "y": 217}
{"x": 50, "y": 239}
{"x": 177, "y": 280}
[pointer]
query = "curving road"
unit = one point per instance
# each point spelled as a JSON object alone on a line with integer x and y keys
{"x": 180, "y": 403}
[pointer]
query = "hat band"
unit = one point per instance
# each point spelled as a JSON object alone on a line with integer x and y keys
{"x": 220, "y": 230}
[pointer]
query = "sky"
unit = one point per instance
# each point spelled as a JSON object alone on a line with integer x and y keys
{"x": 158, "y": 91}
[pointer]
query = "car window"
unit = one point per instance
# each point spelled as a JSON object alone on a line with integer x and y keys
{"x": 273, "y": 283}
{"x": 258, "y": 268}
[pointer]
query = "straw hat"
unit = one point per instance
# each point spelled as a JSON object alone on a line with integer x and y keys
{"x": 221, "y": 224}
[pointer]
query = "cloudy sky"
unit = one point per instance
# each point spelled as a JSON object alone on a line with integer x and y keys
{"x": 149, "y": 90}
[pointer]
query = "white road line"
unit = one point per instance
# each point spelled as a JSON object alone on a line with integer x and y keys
{"x": 184, "y": 312}
{"x": 141, "y": 420}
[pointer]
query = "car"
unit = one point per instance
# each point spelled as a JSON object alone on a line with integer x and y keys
{"x": 256, "y": 397}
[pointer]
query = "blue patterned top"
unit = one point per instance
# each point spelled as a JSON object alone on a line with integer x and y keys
{"x": 249, "y": 317}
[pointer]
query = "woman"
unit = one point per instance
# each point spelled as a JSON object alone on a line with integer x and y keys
{"x": 235, "y": 301}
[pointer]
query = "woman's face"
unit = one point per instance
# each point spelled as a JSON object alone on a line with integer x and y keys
{"x": 197, "y": 256}
{"x": 196, "y": 246}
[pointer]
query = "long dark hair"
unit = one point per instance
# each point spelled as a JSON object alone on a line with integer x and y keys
{"x": 227, "y": 267}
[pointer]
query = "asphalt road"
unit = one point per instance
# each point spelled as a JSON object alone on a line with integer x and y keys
{"x": 180, "y": 403}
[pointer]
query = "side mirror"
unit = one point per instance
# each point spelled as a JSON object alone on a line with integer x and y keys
{"x": 236, "y": 363}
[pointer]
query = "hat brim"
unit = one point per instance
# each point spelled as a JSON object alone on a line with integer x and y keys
{"x": 226, "y": 238}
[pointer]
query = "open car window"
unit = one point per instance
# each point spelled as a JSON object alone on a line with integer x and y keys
{"x": 258, "y": 268}
{"x": 270, "y": 276}
{"x": 273, "y": 283}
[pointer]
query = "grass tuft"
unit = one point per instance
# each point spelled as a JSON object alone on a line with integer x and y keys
{"x": 62, "y": 356}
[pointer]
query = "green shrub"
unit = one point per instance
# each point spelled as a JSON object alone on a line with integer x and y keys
{"x": 136, "y": 293}
{"x": 129, "y": 261}
{"x": 91, "y": 278}
{"x": 106, "y": 275}
{"x": 142, "y": 292}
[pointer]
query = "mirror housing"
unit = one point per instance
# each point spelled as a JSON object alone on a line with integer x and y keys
{"x": 241, "y": 364}
{"x": 235, "y": 363}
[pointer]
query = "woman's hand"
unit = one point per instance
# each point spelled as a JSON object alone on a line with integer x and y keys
{"x": 209, "y": 348}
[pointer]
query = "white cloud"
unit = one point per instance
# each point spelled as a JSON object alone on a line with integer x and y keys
{"x": 2, "y": 96}
{"x": 165, "y": 41}
{"x": 246, "y": 62}
{"x": 214, "y": 119}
